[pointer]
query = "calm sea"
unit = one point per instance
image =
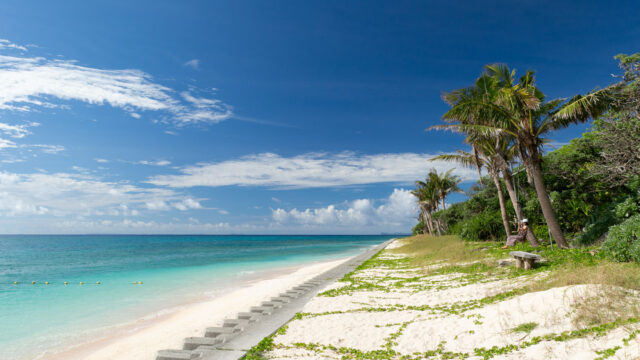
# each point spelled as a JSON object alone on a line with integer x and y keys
{"x": 172, "y": 269}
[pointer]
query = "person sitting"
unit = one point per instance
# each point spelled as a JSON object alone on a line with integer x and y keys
{"x": 523, "y": 227}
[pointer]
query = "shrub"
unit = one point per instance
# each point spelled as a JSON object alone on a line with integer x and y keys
{"x": 623, "y": 241}
{"x": 418, "y": 229}
{"x": 484, "y": 226}
{"x": 541, "y": 232}
{"x": 597, "y": 226}
{"x": 627, "y": 208}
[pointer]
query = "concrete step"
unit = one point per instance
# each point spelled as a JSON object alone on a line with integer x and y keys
{"x": 272, "y": 304}
{"x": 176, "y": 355}
{"x": 291, "y": 296}
{"x": 213, "y": 353}
{"x": 281, "y": 299}
{"x": 235, "y": 323}
{"x": 192, "y": 343}
{"x": 252, "y": 317}
{"x": 264, "y": 310}
{"x": 218, "y": 331}
{"x": 295, "y": 292}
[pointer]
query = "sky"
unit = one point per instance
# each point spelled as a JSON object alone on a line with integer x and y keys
{"x": 261, "y": 117}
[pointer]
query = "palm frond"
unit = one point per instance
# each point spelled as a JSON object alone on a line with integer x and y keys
{"x": 462, "y": 157}
{"x": 581, "y": 108}
{"x": 480, "y": 130}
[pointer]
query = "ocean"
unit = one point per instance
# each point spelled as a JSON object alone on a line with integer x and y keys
{"x": 128, "y": 277}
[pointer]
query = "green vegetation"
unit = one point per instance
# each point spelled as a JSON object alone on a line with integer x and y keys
{"x": 623, "y": 241}
{"x": 525, "y": 328}
{"x": 432, "y": 193}
{"x": 580, "y": 195}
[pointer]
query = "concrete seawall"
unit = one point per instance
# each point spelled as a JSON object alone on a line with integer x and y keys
{"x": 236, "y": 337}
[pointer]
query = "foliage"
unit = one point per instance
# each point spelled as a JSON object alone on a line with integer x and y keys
{"x": 525, "y": 327}
{"x": 541, "y": 232}
{"x": 484, "y": 226}
{"x": 627, "y": 208}
{"x": 430, "y": 194}
{"x": 265, "y": 345}
{"x": 623, "y": 241}
{"x": 618, "y": 136}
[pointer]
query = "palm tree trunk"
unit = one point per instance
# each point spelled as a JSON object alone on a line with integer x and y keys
{"x": 444, "y": 207}
{"x": 426, "y": 222}
{"x": 545, "y": 202}
{"x": 438, "y": 226}
{"x": 430, "y": 223}
{"x": 476, "y": 159}
{"x": 508, "y": 181}
{"x": 503, "y": 209}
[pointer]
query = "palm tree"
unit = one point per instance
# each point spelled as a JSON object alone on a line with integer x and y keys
{"x": 444, "y": 184}
{"x": 499, "y": 148}
{"x": 480, "y": 158}
{"x": 427, "y": 202}
{"x": 518, "y": 109}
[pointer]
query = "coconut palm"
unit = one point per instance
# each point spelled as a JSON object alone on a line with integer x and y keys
{"x": 500, "y": 149}
{"x": 517, "y": 108}
{"x": 427, "y": 202}
{"x": 480, "y": 158}
{"x": 444, "y": 184}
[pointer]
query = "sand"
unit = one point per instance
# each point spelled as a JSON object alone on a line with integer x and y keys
{"x": 168, "y": 332}
{"x": 409, "y": 321}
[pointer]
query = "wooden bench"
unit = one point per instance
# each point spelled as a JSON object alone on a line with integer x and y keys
{"x": 525, "y": 258}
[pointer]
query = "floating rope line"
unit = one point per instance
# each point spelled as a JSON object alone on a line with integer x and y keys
{"x": 67, "y": 283}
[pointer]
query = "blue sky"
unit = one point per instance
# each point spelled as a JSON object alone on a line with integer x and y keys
{"x": 256, "y": 116}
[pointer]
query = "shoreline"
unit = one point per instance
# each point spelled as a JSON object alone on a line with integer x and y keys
{"x": 144, "y": 336}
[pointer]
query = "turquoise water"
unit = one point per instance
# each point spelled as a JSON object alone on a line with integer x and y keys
{"x": 172, "y": 269}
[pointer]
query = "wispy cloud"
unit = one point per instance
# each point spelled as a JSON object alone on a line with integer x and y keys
{"x": 37, "y": 82}
{"x": 193, "y": 63}
{"x": 6, "y": 44}
{"x": 48, "y": 149}
{"x": 153, "y": 162}
{"x": 310, "y": 170}
{"x": 14, "y": 131}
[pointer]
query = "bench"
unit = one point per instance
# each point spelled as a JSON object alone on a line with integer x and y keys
{"x": 525, "y": 258}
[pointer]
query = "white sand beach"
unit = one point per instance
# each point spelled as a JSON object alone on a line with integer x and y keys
{"x": 446, "y": 316}
{"x": 168, "y": 331}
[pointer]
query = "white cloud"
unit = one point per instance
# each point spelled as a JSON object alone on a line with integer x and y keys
{"x": 29, "y": 82}
{"x": 78, "y": 194}
{"x": 48, "y": 149}
{"x": 154, "y": 162}
{"x": 204, "y": 110}
{"x": 17, "y": 131}
{"x": 193, "y": 63}
{"x": 395, "y": 213}
{"x": 4, "y": 143}
{"x": 128, "y": 226}
{"x": 102, "y": 161}
{"x": 6, "y": 44}
{"x": 157, "y": 205}
{"x": 310, "y": 170}
{"x": 187, "y": 204}
{"x": 14, "y": 131}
